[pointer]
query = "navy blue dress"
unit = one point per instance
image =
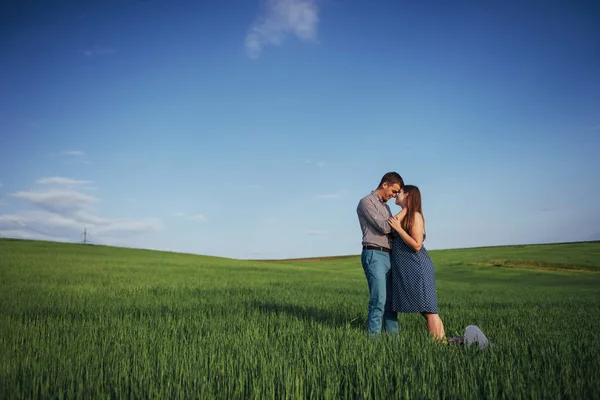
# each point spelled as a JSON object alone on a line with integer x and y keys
{"x": 413, "y": 280}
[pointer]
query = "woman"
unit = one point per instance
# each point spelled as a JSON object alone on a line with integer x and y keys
{"x": 413, "y": 278}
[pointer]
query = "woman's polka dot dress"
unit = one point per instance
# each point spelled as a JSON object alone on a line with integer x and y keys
{"x": 413, "y": 280}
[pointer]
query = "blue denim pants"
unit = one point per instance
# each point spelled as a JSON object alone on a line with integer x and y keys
{"x": 376, "y": 265}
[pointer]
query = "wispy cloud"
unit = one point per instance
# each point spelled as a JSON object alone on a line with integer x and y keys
{"x": 58, "y": 180}
{"x": 74, "y": 153}
{"x": 595, "y": 128}
{"x": 198, "y": 217}
{"x": 318, "y": 163}
{"x": 191, "y": 217}
{"x": 58, "y": 201}
{"x": 98, "y": 51}
{"x": 62, "y": 214}
{"x": 75, "y": 156}
{"x": 279, "y": 19}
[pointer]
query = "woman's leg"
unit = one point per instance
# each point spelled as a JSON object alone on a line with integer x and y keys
{"x": 435, "y": 326}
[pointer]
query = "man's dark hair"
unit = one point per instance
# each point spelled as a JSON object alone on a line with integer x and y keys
{"x": 391, "y": 178}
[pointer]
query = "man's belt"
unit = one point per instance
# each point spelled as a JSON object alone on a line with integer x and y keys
{"x": 380, "y": 248}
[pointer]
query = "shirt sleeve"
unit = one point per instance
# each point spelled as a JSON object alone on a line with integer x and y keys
{"x": 369, "y": 211}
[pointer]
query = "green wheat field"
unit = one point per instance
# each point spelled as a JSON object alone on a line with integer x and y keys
{"x": 82, "y": 321}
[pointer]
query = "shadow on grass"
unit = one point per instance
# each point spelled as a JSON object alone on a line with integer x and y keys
{"x": 307, "y": 313}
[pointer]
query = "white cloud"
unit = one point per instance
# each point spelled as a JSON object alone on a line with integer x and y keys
{"x": 318, "y": 164}
{"x": 280, "y": 19}
{"x": 198, "y": 217}
{"x": 73, "y": 156}
{"x": 74, "y": 153}
{"x": 59, "y": 201}
{"x": 62, "y": 215}
{"x": 98, "y": 51}
{"x": 193, "y": 217}
{"x": 58, "y": 180}
{"x": 32, "y": 235}
{"x": 42, "y": 224}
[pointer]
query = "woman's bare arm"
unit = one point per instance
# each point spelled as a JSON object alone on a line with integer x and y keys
{"x": 414, "y": 240}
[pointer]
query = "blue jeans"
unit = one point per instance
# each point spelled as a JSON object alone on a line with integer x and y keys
{"x": 376, "y": 265}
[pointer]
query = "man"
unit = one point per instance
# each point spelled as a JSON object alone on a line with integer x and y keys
{"x": 373, "y": 214}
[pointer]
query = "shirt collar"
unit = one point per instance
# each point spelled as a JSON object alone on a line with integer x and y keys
{"x": 374, "y": 193}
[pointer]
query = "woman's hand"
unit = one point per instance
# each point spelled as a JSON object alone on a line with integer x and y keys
{"x": 395, "y": 223}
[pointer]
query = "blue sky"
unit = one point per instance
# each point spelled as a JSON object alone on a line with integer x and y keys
{"x": 251, "y": 129}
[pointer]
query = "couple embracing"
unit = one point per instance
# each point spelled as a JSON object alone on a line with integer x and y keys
{"x": 399, "y": 272}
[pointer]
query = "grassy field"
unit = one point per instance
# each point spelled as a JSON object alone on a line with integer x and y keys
{"x": 94, "y": 321}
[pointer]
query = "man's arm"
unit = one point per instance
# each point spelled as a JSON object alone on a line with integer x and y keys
{"x": 368, "y": 210}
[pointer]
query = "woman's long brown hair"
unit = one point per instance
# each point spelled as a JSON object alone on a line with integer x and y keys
{"x": 413, "y": 205}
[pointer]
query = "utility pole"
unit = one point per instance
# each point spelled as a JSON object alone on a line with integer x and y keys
{"x": 84, "y": 236}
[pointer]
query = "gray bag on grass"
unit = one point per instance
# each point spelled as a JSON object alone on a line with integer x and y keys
{"x": 473, "y": 335}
